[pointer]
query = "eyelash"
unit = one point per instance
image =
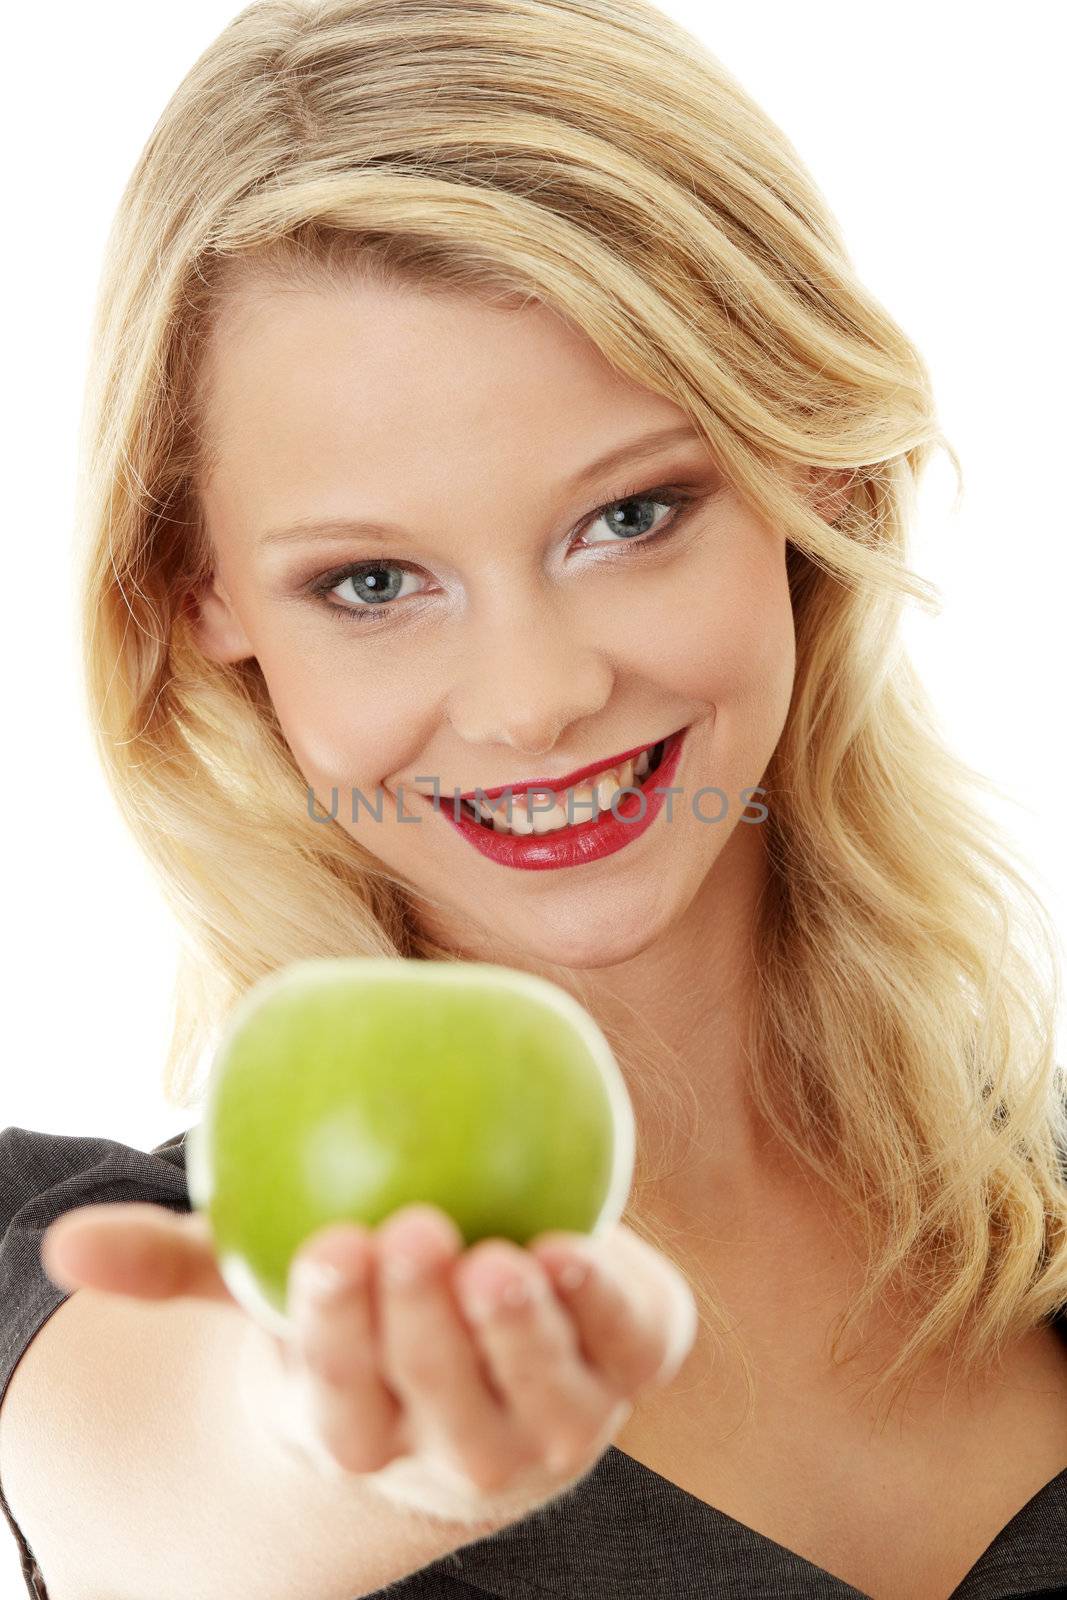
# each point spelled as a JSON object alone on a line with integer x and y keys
{"x": 681, "y": 500}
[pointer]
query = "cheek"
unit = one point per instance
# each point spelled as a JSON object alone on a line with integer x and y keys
{"x": 731, "y": 640}
{"x": 753, "y": 677}
{"x": 752, "y": 645}
{"x": 735, "y": 648}
{"x": 341, "y": 728}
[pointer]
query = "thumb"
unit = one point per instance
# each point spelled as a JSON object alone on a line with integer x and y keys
{"x": 134, "y": 1248}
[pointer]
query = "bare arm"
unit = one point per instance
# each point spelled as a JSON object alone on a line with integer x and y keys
{"x": 132, "y": 1464}
{"x": 156, "y": 1442}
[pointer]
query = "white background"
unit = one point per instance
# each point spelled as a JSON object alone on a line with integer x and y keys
{"x": 931, "y": 129}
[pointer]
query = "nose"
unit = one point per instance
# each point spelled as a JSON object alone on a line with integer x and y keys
{"x": 528, "y": 681}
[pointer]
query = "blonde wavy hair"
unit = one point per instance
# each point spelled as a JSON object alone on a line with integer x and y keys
{"x": 592, "y": 155}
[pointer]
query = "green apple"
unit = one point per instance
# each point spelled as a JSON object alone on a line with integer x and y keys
{"x": 345, "y": 1088}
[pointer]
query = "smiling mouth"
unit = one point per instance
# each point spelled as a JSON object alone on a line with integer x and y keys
{"x": 606, "y": 781}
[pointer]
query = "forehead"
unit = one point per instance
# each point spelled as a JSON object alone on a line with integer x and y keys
{"x": 299, "y": 374}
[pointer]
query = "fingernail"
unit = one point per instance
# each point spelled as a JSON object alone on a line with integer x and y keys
{"x": 319, "y": 1280}
{"x": 486, "y": 1296}
{"x": 570, "y": 1272}
{"x": 399, "y": 1268}
{"x": 410, "y": 1250}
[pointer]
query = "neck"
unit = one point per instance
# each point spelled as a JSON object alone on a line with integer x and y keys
{"x": 677, "y": 1015}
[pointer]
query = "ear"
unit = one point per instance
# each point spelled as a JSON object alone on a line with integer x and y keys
{"x": 828, "y": 491}
{"x": 215, "y": 624}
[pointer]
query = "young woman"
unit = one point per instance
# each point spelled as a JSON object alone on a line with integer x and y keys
{"x": 484, "y": 399}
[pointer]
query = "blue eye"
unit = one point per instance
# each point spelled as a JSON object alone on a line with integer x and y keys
{"x": 381, "y": 580}
{"x": 660, "y": 497}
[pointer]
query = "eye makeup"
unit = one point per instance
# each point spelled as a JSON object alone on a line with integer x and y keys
{"x": 679, "y": 499}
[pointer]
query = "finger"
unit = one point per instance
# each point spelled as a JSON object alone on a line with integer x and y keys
{"x": 134, "y": 1248}
{"x": 350, "y": 1409}
{"x": 533, "y": 1353}
{"x": 429, "y": 1358}
{"x": 633, "y": 1310}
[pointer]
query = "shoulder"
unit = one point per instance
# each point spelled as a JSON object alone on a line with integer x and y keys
{"x": 43, "y": 1175}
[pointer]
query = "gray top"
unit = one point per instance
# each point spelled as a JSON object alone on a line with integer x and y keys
{"x": 622, "y": 1532}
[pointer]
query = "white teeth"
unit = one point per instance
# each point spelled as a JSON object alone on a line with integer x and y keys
{"x": 548, "y": 821}
{"x": 606, "y": 786}
{"x": 493, "y": 811}
{"x": 584, "y": 807}
{"x": 604, "y": 789}
{"x": 609, "y": 783}
{"x": 520, "y": 822}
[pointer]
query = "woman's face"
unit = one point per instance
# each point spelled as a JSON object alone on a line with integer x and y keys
{"x": 525, "y": 615}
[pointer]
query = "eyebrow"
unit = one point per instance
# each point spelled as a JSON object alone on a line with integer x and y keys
{"x": 633, "y": 451}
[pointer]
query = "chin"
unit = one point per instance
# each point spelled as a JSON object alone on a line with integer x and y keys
{"x": 584, "y": 948}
